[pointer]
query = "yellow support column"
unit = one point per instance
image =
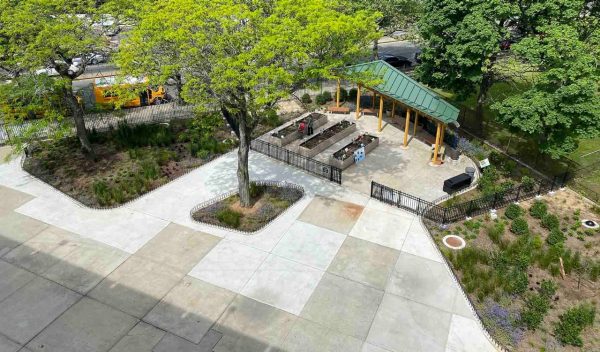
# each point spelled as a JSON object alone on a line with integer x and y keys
{"x": 436, "y": 149}
{"x": 416, "y": 123}
{"x": 380, "y": 113}
{"x": 358, "y": 102}
{"x": 393, "y": 109}
{"x": 406, "y": 127}
{"x": 337, "y": 99}
{"x": 443, "y": 134}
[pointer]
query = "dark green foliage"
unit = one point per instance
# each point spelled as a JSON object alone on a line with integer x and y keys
{"x": 229, "y": 217}
{"x": 528, "y": 183}
{"x": 271, "y": 118}
{"x": 488, "y": 181}
{"x": 548, "y": 288}
{"x": 127, "y": 136}
{"x": 536, "y": 308}
{"x": 149, "y": 169}
{"x": 519, "y": 226}
{"x": 572, "y": 322}
{"x": 555, "y": 236}
{"x": 538, "y": 209}
{"x": 306, "y": 99}
{"x": 256, "y": 190}
{"x": 352, "y": 93}
{"x": 513, "y": 211}
{"x": 102, "y": 192}
{"x": 321, "y": 99}
{"x": 550, "y": 222}
{"x": 496, "y": 231}
{"x": 343, "y": 94}
{"x": 516, "y": 281}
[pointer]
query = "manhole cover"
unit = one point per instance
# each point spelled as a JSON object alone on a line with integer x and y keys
{"x": 454, "y": 242}
{"x": 590, "y": 224}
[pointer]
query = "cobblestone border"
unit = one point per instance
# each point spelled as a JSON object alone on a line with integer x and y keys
{"x": 234, "y": 192}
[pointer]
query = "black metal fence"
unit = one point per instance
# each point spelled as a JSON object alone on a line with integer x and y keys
{"x": 313, "y": 166}
{"x": 443, "y": 215}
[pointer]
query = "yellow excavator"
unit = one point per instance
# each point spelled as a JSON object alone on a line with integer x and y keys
{"x": 106, "y": 92}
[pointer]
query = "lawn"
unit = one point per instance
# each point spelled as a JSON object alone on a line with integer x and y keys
{"x": 512, "y": 269}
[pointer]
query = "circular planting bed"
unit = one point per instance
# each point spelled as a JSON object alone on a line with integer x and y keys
{"x": 590, "y": 224}
{"x": 454, "y": 242}
{"x": 269, "y": 200}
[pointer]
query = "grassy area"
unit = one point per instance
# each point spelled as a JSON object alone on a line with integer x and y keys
{"x": 512, "y": 269}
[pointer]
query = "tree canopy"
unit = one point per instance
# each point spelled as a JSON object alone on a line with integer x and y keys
{"x": 240, "y": 57}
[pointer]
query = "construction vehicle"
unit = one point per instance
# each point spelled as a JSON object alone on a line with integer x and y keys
{"x": 106, "y": 92}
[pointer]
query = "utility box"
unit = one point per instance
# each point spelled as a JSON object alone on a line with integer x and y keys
{"x": 457, "y": 183}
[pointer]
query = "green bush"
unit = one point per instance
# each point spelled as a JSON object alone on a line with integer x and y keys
{"x": 321, "y": 99}
{"x": 149, "y": 169}
{"x": 538, "y": 209}
{"x": 352, "y": 93}
{"x": 496, "y": 231}
{"x": 488, "y": 181}
{"x": 256, "y": 190}
{"x": 229, "y": 217}
{"x": 548, "y": 288}
{"x": 343, "y": 94}
{"x": 306, "y": 98}
{"x": 527, "y": 183}
{"x": 102, "y": 192}
{"x": 572, "y": 322}
{"x": 555, "y": 236}
{"x": 516, "y": 281}
{"x": 513, "y": 211}
{"x": 327, "y": 96}
{"x": 536, "y": 308}
{"x": 550, "y": 222}
{"x": 519, "y": 226}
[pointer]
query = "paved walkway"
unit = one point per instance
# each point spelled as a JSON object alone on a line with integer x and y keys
{"x": 337, "y": 272}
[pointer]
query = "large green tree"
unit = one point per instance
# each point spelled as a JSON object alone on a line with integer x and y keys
{"x": 240, "y": 57}
{"x": 394, "y": 15}
{"x": 37, "y": 34}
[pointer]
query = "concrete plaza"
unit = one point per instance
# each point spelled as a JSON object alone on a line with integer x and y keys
{"x": 337, "y": 272}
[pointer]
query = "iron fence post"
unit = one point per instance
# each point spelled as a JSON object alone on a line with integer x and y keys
{"x": 565, "y": 178}
{"x": 518, "y": 193}
{"x": 372, "y": 195}
{"x": 539, "y": 188}
{"x": 444, "y": 216}
{"x": 553, "y": 183}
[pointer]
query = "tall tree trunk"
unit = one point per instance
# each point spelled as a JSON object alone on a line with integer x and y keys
{"x": 376, "y": 49}
{"x": 179, "y": 88}
{"x": 77, "y": 113}
{"x": 242, "y": 172}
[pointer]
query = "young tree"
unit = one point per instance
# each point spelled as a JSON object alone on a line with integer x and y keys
{"x": 51, "y": 34}
{"x": 395, "y": 15}
{"x": 240, "y": 57}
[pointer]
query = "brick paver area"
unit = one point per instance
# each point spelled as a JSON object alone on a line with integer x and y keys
{"x": 337, "y": 272}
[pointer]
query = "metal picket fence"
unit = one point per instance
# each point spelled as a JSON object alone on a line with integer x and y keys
{"x": 444, "y": 215}
{"x": 310, "y": 165}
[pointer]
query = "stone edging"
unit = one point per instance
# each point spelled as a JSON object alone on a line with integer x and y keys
{"x": 490, "y": 338}
{"x": 234, "y": 192}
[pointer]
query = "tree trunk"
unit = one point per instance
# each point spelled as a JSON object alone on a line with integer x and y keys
{"x": 242, "y": 172}
{"x": 179, "y": 88}
{"x": 77, "y": 113}
{"x": 376, "y": 49}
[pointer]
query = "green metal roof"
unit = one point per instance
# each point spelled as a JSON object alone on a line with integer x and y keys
{"x": 397, "y": 85}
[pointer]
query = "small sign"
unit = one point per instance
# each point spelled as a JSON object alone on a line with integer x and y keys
{"x": 484, "y": 163}
{"x": 359, "y": 154}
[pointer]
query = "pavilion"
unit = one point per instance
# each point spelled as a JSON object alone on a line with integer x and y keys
{"x": 387, "y": 82}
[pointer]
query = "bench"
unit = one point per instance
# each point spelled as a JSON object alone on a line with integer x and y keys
{"x": 338, "y": 110}
{"x": 368, "y": 111}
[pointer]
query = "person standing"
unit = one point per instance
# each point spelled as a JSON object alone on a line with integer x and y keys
{"x": 310, "y": 125}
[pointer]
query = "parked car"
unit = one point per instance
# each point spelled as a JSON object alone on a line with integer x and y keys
{"x": 50, "y": 71}
{"x": 91, "y": 59}
{"x": 399, "y": 62}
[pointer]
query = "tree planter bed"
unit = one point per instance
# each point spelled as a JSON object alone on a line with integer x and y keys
{"x": 326, "y": 138}
{"x": 345, "y": 156}
{"x": 290, "y": 133}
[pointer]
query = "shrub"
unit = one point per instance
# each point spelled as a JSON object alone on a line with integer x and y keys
{"x": 149, "y": 169}
{"x": 488, "y": 180}
{"x": 352, "y": 93}
{"x": 102, "y": 192}
{"x": 555, "y": 236}
{"x": 229, "y": 217}
{"x": 550, "y": 222}
{"x": 536, "y": 308}
{"x": 271, "y": 119}
{"x": 513, "y": 211}
{"x": 572, "y": 322}
{"x": 496, "y": 231}
{"x": 527, "y": 183}
{"x": 256, "y": 190}
{"x": 538, "y": 209}
{"x": 519, "y": 226}
{"x": 306, "y": 98}
{"x": 321, "y": 99}
{"x": 547, "y": 288}
{"x": 343, "y": 94}
{"x": 516, "y": 281}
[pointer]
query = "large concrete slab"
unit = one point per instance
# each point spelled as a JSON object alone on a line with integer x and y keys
{"x": 332, "y": 214}
{"x": 142, "y": 338}
{"x": 404, "y": 325}
{"x": 382, "y": 228}
{"x": 172, "y": 343}
{"x": 16, "y": 229}
{"x": 419, "y": 243}
{"x": 365, "y": 262}
{"x": 45, "y": 250}
{"x": 30, "y": 309}
{"x": 466, "y": 336}
{"x": 346, "y": 306}
{"x": 12, "y": 278}
{"x": 178, "y": 246}
{"x": 424, "y": 281}
{"x": 307, "y": 336}
{"x": 88, "y": 326}
{"x": 282, "y": 283}
{"x": 12, "y": 199}
{"x": 6, "y": 345}
{"x": 84, "y": 267}
{"x": 136, "y": 286}
{"x": 229, "y": 265}
{"x": 309, "y": 244}
{"x": 248, "y": 326}
{"x": 190, "y": 309}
